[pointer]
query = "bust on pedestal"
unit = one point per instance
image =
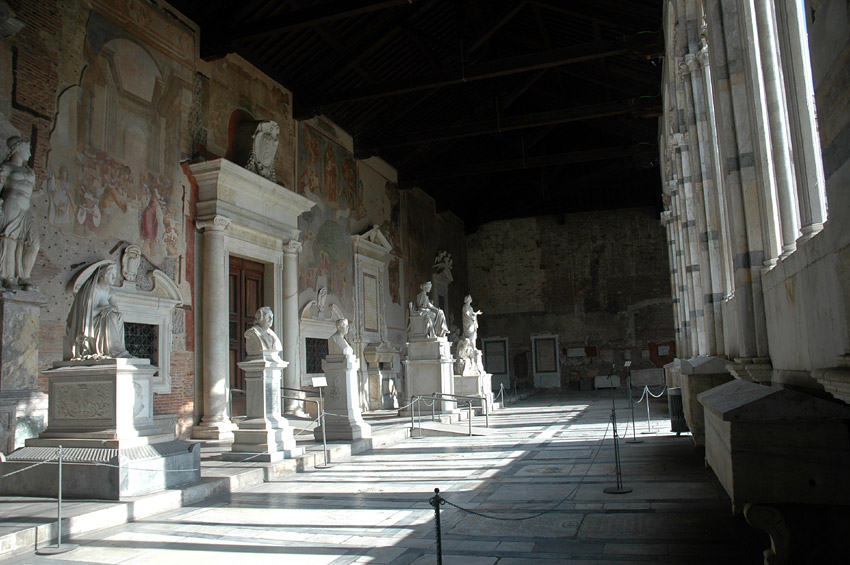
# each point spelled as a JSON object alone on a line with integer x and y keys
{"x": 344, "y": 420}
{"x": 100, "y": 411}
{"x": 429, "y": 358}
{"x": 265, "y": 435}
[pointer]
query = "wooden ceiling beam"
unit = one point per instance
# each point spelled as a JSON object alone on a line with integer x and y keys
{"x": 638, "y": 45}
{"x": 305, "y": 17}
{"x": 416, "y": 178}
{"x": 496, "y": 125}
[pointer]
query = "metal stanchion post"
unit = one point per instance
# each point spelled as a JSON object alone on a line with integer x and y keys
{"x": 619, "y": 489}
{"x": 469, "y": 405}
{"x": 648, "y": 417}
{"x": 631, "y": 406}
{"x": 58, "y": 548}
{"x": 436, "y": 501}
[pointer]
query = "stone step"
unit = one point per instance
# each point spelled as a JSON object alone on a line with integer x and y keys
{"x": 217, "y": 478}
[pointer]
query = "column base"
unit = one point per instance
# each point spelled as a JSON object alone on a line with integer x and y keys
{"x": 214, "y": 431}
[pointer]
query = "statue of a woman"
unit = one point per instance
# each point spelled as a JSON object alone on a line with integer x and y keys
{"x": 95, "y": 324}
{"x": 19, "y": 242}
{"x": 424, "y": 306}
{"x": 470, "y": 321}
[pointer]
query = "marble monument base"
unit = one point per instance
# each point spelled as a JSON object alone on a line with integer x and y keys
{"x": 101, "y": 414}
{"x": 265, "y": 436}
{"x": 700, "y": 374}
{"x": 343, "y": 419}
{"x": 475, "y": 385}
{"x": 23, "y": 408}
{"x": 23, "y": 415}
{"x": 429, "y": 370}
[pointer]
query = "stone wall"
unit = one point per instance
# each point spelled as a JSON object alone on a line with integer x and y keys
{"x": 597, "y": 280}
{"x": 116, "y": 105}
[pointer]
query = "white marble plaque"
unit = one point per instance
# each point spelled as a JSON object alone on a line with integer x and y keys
{"x": 370, "y": 302}
{"x": 544, "y": 356}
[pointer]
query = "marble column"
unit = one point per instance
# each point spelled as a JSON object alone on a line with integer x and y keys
{"x": 778, "y": 121}
{"x": 291, "y": 329}
{"x": 799, "y": 88}
{"x": 215, "y": 424}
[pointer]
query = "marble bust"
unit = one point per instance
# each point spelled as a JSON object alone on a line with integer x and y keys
{"x": 424, "y": 307}
{"x": 95, "y": 325}
{"x": 260, "y": 339}
{"x": 337, "y": 345}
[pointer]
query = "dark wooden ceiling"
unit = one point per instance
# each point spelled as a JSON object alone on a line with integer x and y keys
{"x": 497, "y": 108}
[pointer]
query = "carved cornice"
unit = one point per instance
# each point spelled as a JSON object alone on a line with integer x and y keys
{"x": 214, "y": 223}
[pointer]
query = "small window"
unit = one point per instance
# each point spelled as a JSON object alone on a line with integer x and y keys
{"x": 317, "y": 349}
{"x": 142, "y": 341}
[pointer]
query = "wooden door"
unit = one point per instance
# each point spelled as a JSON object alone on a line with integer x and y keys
{"x": 246, "y": 297}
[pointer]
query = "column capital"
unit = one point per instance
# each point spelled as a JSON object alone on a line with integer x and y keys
{"x": 292, "y": 247}
{"x": 213, "y": 223}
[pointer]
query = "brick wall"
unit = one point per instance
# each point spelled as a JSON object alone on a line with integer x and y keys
{"x": 599, "y": 281}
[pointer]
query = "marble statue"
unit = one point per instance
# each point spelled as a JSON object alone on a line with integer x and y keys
{"x": 425, "y": 308}
{"x": 469, "y": 320}
{"x": 19, "y": 242}
{"x": 264, "y": 143}
{"x": 260, "y": 339}
{"x": 464, "y": 356}
{"x": 337, "y": 344}
{"x": 95, "y": 324}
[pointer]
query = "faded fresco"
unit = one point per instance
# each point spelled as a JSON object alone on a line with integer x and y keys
{"x": 326, "y": 259}
{"x": 421, "y": 239}
{"x": 115, "y": 147}
{"x": 381, "y": 200}
{"x": 328, "y": 172}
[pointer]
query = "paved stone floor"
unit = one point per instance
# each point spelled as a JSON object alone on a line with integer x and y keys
{"x": 531, "y": 489}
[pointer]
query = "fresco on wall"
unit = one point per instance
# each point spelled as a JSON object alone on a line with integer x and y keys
{"x": 382, "y": 204}
{"x": 420, "y": 229}
{"x": 329, "y": 172}
{"x": 114, "y": 149}
{"x": 326, "y": 258}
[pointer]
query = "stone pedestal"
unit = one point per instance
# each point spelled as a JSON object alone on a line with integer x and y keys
{"x": 23, "y": 408}
{"x": 475, "y": 381}
{"x": 772, "y": 445}
{"x": 429, "y": 370}
{"x": 697, "y": 376}
{"x": 343, "y": 420}
{"x": 101, "y": 413}
{"x": 265, "y": 435}
{"x": 383, "y": 364}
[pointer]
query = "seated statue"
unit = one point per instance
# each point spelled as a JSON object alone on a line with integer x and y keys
{"x": 424, "y": 307}
{"x": 260, "y": 339}
{"x": 95, "y": 325}
{"x": 337, "y": 344}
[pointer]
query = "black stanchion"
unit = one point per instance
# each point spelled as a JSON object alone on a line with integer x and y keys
{"x": 631, "y": 404}
{"x": 436, "y": 501}
{"x": 619, "y": 489}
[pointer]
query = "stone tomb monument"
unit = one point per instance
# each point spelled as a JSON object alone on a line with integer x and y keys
{"x": 344, "y": 420}
{"x": 265, "y": 435}
{"x": 429, "y": 357}
{"x": 100, "y": 411}
{"x": 470, "y": 377}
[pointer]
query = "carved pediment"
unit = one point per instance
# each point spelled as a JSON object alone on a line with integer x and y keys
{"x": 372, "y": 244}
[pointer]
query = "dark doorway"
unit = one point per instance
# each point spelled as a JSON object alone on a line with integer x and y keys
{"x": 246, "y": 297}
